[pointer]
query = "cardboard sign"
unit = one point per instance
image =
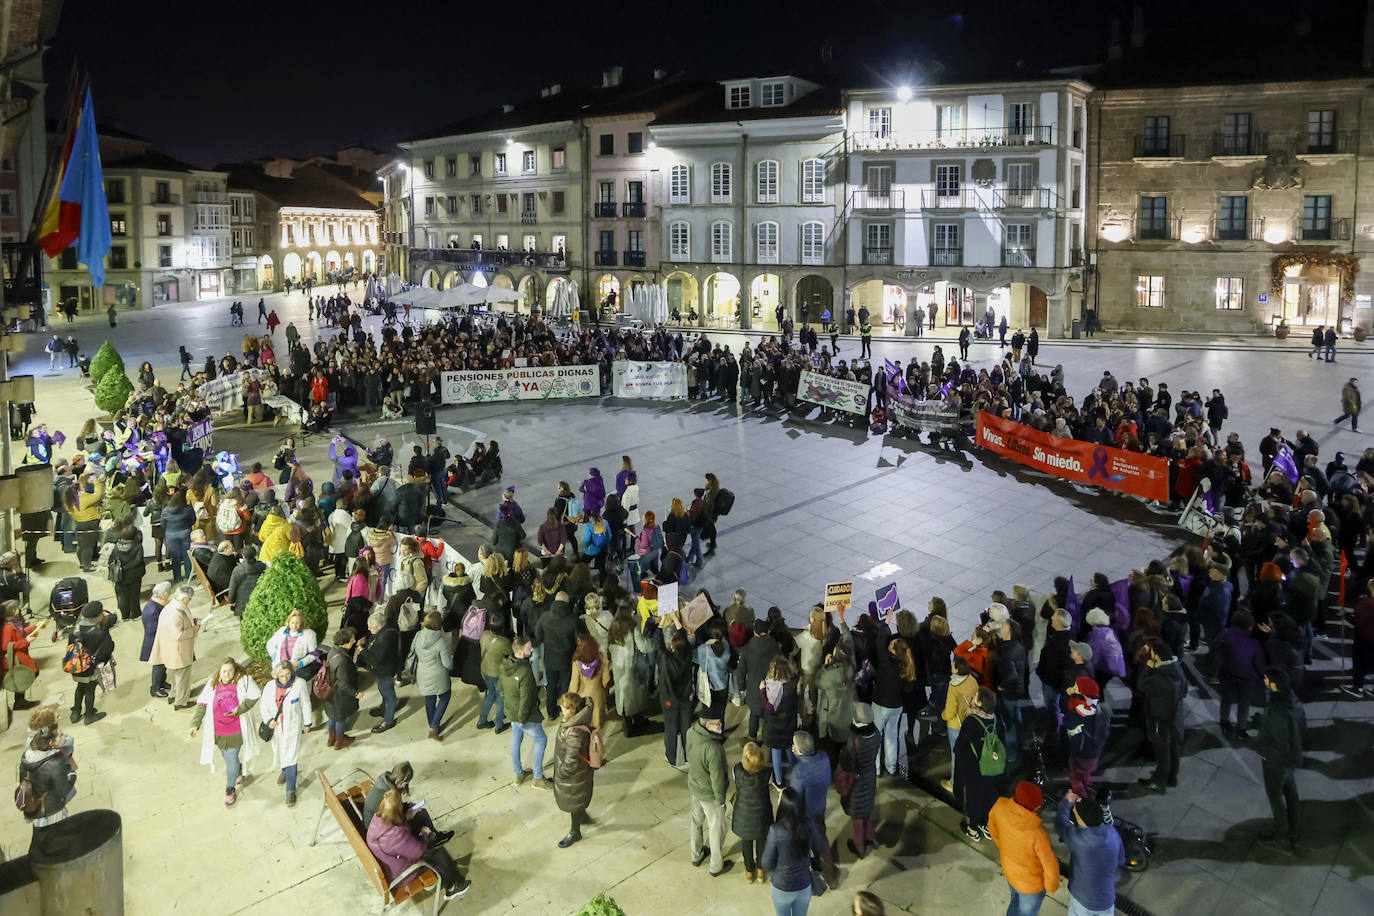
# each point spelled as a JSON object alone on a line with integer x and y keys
{"x": 696, "y": 613}
{"x": 838, "y": 594}
{"x": 887, "y": 599}
{"x": 667, "y": 599}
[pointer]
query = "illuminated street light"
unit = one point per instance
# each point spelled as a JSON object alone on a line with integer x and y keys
{"x": 1114, "y": 233}
{"x": 1275, "y": 235}
{"x": 904, "y": 94}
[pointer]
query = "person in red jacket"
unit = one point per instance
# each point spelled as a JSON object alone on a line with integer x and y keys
{"x": 319, "y": 388}
{"x": 15, "y": 633}
{"x": 1027, "y": 859}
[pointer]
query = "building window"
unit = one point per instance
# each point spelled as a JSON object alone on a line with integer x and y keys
{"x": 527, "y": 160}
{"x": 946, "y": 244}
{"x": 476, "y": 201}
{"x": 1231, "y": 217}
{"x": 429, "y": 168}
{"x": 1020, "y": 246}
{"x": 1230, "y": 294}
{"x": 118, "y": 225}
{"x": 949, "y": 121}
{"x": 720, "y": 183}
{"x": 558, "y": 198}
{"x": 766, "y": 243}
{"x": 1321, "y": 131}
{"x": 813, "y": 181}
{"x": 164, "y": 256}
{"x": 605, "y": 192}
{"x": 164, "y": 224}
{"x": 606, "y": 145}
{"x": 679, "y": 185}
{"x": 738, "y": 97}
{"x": 767, "y": 181}
{"x": 634, "y": 192}
{"x": 1153, "y": 222}
{"x": 559, "y": 243}
{"x": 1022, "y": 120}
{"x": 634, "y": 142}
{"x": 947, "y": 182}
{"x": 501, "y": 204}
{"x": 429, "y": 206}
{"x": 475, "y": 164}
{"x": 722, "y": 242}
{"x": 500, "y": 164}
{"x": 248, "y": 238}
{"x": 607, "y": 240}
{"x": 560, "y": 157}
{"x": 527, "y": 205}
{"x": 529, "y": 243}
{"x": 1316, "y": 216}
{"x": 162, "y": 192}
{"x": 67, "y": 259}
{"x": 476, "y": 240}
{"x": 451, "y": 166}
{"x": 114, "y": 191}
{"x": 772, "y": 95}
{"x": 1155, "y": 136}
{"x": 812, "y": 243}
{"x": 234, "y": 208}
{"x": 119, "y": 257}
{"x": 236, "y": 239}
{"x": 452, "y": 205}
{"x": 880, "y": 123}
{"x": 1149, "y": 292}
{"x": 634, "y": 240}
{"x": 680, "y": 241}
{"x": 503, "y": 242}
{"x": 1235, "y": 134}
{"x": 877, "y": 243}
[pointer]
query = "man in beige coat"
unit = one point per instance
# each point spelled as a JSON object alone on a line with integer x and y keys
{"x": 174, "y": 645}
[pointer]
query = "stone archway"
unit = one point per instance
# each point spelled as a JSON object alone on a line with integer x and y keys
{"x": 332, "y": 261}
{"x": 314, "y": 265}
{"x": 291, "y": 266}
{"x": 681, "y": 290}
{"x": 451, "y": 279}
{"x": 369, "y": 261}
{"x": 720, "y": 298}
{"x": 529, "y": 285}
{"x": 430, "y": 278}
{"x": 608, "y": 286}
{"x": 348, "y": 259}
{"x": 267, "y": 274}
{"x": 818, "y": 294}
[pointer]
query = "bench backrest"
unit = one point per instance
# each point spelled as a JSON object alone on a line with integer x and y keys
{"x": 345, "y": 806}
{"x": 215, "y": 599}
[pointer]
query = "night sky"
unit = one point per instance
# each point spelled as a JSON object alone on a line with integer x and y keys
{"x": 254, "y": 78}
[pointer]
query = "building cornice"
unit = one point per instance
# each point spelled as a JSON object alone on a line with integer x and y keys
{"x": 811, "y": 128}
{"x": 940, "y": 90}
{"x": 487, "y": 136}
{"x": 1218, "y": 91}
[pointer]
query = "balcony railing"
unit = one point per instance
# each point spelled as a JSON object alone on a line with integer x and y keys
{"x": 634, "y": 209}
{"x": 965, "y": 138}
{"x": 604, "y": 209}
{"x": 211, "y": 197}
{"x": 1171, "y": 147}
{"x": 605, "y": 258}
{"x": 964, "y": 198}
{"x": 1021, "y": 198}
{"x": 165, "y": 200}
{"x": 1331, "y": 230}
{"x": 529, "y": 219}
{"x": 878, "y": 256}
{"x": 486, "y": 258}
{"x": 634, "y": 258}
{"x": 1156, "y": 230}
{"x": 1018, "y": 257}
{"x": 1338, "y": 142}
{"x": 946, "y": 257}
{"x": 889, "y": 199}
{"x": 1250, "y": 229}
{"x": 1255, "y": 143}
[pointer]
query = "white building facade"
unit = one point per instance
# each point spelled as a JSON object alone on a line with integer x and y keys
{"x": 966, "y": 198}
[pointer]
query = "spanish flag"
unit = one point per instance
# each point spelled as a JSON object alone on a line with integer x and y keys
{"x": 77, "y": 211}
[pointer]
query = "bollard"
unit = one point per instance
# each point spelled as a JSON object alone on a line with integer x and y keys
{"x": 80, "y": 865}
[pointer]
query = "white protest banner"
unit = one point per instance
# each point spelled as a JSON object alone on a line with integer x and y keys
{"x": 837, "y": 595}
{"x": 649, "y": 379}
{"x": 477, "y": 386}
{"x": 841, "y": 394}
{"x": 922, "y": 415}
{"x": 225, "y": 393}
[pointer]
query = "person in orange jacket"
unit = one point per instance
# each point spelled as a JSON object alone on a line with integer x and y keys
{"x": 1027, "y": 860}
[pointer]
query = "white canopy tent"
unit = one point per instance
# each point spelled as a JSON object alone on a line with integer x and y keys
{"x": 419, "y": 297}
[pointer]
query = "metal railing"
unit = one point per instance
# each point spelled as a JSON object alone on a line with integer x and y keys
{"x": 604, "y": 258}
{"x": 946, "y": 257}
{"x": 634, "y": 258}
{"x": 1173, "y": 146}
{"x": 1254, "y": 143}
{"x": 1018, "y": 257}
{"x": 485, "y": 257}
{"x": 164, "y": 200}
{"x": 529, "y": 219}
{"x": 889, "y": 199}
{"x": 604, "y": 209}
{"x": 964, "y": 198}
{"x": 211, "y": 197}
{"x": 1021, "y": 198}
{"x": 878, "y": 256}
{"x": 1158, "y": 230}
{"x": 634, "y": 209}
{"x": 1330, "y": 230}
{"x": 963, "y": 138}
{"x": 1339, "y": 142}
{"x": 1237, "y": 230}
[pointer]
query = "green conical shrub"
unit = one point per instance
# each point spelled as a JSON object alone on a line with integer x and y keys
{"x": 106, "y": 358}
{"x": 113, "y": 391}
{"x": 285, "y": 585}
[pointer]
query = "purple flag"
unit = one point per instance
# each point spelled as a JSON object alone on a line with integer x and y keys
{"x": 1283, "y": 461}
{"x": 1071, "y": 605}
{"x": 1120, "y": 591}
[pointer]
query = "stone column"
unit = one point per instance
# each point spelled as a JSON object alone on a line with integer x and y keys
{"x": 1057, "y": 320}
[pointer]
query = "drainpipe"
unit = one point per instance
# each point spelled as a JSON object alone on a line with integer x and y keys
{"x": 1097, "y": 234}
{"x": 840, "y": 310}
{"x": 1359, "y": 126}
{"x": 744, "y": 306}
{"x": 582, "y": 219}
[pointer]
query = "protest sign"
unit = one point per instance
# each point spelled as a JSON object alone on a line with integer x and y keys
{"x": 838, "y": 594}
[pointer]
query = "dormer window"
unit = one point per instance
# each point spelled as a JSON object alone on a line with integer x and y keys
{"x": 738, "y": 97}
{"x": 773, "y": 95}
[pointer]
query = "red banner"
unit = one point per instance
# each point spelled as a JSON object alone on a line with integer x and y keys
{"x": 1084, "y": 462}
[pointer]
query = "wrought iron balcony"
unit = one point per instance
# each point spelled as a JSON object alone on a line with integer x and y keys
{"x": 963, "y": 138}
{"x": 605, "y": 258}
{"x": 1231, "y": 230}
{"x": 1157, "y": 230}
{"x": 634, "y": 258}
{"x": 946, "y": 257}
{"x": 1333, "y": 143}
{"x": 604, "y": 209}
{"x": 889, "y": 199}
{"x": 634, "y": 209}
{"x": 1328, "y": 230}
{"x": 163, "y": 200}
{"x": 878, "y": 256}
{"x": 1018, "y": 257}
{"x": 964, "y": 198}
{"x": 529, "y": 219}
{"x": 1021, "y": 198}
{"x": 1172, "y": 146}
{"x": 1254, "y": 143}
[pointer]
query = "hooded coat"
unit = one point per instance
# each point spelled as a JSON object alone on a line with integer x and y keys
{"x": 433, "y": 662}
{"x": 573, "y": 776}
{"x": 592, "y": 680}
{"x": 593, "y": 493}
{"x": 835, "y": 700}
{"x": 1028, "y": 861}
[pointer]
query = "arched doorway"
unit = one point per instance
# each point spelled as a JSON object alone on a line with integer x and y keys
{"x": 1023, "y": 305}
{"x": 720, "y": 300}
{"x": 501, "y": 281}
{"x": 430, "y": 278}
{"x": 348, "y": 259}
{"x": 369, "y": 261}
{"x": 608, "y": 292}
{"x": 313, "y": 265}
{"x": 681, "y": 290}
{"x": 478, "y": 279}
{"x": 765, "y": 292}
{"x": 291, "y": 267}
{"x": 885, "y": 303}
{"x": 267, "y": 274}
{"x": 451, "y": 279}
{"x": 817, "y": 294}
{"x": 332, "y": 261}
{"x": 529, "y": 285}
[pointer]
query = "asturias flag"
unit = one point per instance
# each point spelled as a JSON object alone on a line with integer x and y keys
{"x": 78, "y": 211}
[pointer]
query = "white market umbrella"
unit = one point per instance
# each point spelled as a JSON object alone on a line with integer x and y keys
{"x": 394, "y": 284}
{"x": 419, "y": 297}
{"x": 493, "y": 294}
{"x": 574, "y": 300}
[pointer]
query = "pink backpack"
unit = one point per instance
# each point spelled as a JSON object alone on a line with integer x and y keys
{"x": 474, "y": 623}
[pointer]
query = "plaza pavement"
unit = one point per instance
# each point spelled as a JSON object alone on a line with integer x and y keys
{"x": 816, "y": 503}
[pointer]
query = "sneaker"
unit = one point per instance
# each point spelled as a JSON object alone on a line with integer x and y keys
{"x": 230, "y": 797}
{"x": 541, "y": 783}
{"x": 972, "y": 832}
{"x": 1353, "y": 692}
{"x": 987, "y": 834}
{"x": 441, "y": 838}
{"x": 382, "y": 727}
{"x": 522, "y": 778}
{"x": 160, "y": 693}
{"x": 947, "y": 785}
{"x": 457, "y": 890}
{"x": 290, "y": 799}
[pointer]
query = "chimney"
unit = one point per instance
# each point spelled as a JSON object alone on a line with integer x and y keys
{"x": 1367, "y": 51}
{"x": 507, "y": 108}
{"x": 610, "y": 77}
{"x": 660, "y": 73}
{"x": 1137, "y": 27}
{"x": 1114, "y": 48}
{"x": 558, "y": 87}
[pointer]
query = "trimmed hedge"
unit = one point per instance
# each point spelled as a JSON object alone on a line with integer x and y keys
{"x": 285, "y": 585}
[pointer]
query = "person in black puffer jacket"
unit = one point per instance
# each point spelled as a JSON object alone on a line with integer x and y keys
{"x": 126, "y": 571}
{"x": 862, "y": 752}
{"x": 1011, "y": 677}
{"x": 778, "y": 693}
{"x": 753, "y": 813}
{"x": 556, "y": 632}
{"x": 47, "y": 762}
{"x": 675, "y": 692}
{"x": 382, "y": 654}
{"x": 244, "y": 579}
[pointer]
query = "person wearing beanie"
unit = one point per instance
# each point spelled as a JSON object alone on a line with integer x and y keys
{"x": 1080, "y": 664}
{"x": 1027, "y": 859}
{"x": 1095, "y": 853}
{"x": 1087, "y": 724}
{"x": 1108, "y": 659}
{"x": 91, "y": 634}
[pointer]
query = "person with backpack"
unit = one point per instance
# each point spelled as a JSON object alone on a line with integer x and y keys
{"x": 286, "y": 714}
{"x": 47, "y": 775}
{"x": 979, "y": 762}
{"x": 596, "y": 540}
{"x": 707, "y": 780}
{"x": 1028, "y": 860}
{"x": 126, "y": 567}
{"x": 574, "y": 774}
{"x": 231, "y": 518}
{"x": 229, "y": 694}
{"x": 89, "y": 646}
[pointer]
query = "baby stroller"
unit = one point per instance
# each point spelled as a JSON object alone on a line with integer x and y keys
{"x": 67, "y": 599}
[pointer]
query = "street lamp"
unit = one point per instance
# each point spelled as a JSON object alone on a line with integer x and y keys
{"x": 904, "y": 94}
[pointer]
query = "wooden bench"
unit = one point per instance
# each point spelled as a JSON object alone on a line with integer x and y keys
{"x": 346, "y": 804}
{"x": 217, "y": 599}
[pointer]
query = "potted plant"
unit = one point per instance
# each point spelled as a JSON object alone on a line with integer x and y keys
{"x": 1281, "y": 330}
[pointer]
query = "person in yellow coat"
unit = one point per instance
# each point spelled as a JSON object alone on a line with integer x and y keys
{"x": 274, "y": 535}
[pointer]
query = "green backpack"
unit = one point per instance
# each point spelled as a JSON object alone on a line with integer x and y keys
{"x": 992, "y": 757}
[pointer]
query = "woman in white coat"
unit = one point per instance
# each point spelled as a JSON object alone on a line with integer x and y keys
{"x": 227, "y": 696}
{"x": 286, "y": 710}
{"x": 630, "y": 503}
{"x": 295, "y": 642}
